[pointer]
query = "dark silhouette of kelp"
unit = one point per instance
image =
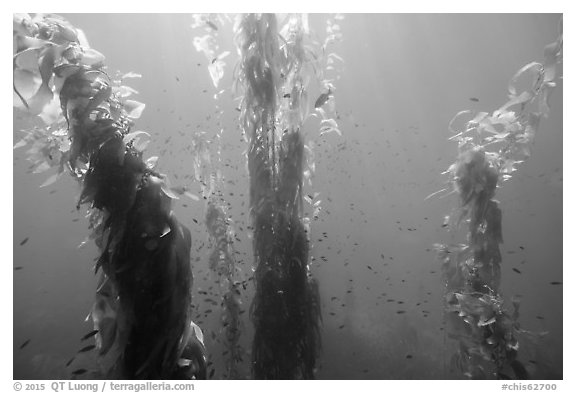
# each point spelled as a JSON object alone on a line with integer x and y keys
{"x": 286, "y": 307}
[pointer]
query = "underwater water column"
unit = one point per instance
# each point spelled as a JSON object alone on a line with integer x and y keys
{"x": 491, "y": 146}
{"x": 142, "y": 312}
{"x": 285, "y": 308}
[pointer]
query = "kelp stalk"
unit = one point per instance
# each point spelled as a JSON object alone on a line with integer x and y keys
{"x": 143, "y": 304}
{"x": 286, "y": 308}
{"x": 220, "y": 230}
{"x": 222, "y": 262}
{"x": 490, "y": 148}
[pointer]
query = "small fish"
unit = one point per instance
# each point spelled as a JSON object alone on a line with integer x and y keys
{"x": 87, "y": 336}
{"x": 25, "y": 343}
{"x": 474, "y": 99}
{"x": 177, "y": 79}
{"x": 69, "y": 362}
{"x": 539, "y": 317}
{"x": 369, "y": 267}
{"x": 24, "y": 241}
{"x": 80, "y": 371}
{"x": 516, "y": 270}
{"x": 555, "y": 283}
{"x": 18, "y": 268}
{"x": 322, "y": 99}
{"x": 287, "y": 95}
{"x": 408, "y": 356}
{"x": 212, "y": 25}
{"x": 87, "y": 348}
{"x": 400, "y": 312}
{"x": 211, "y": 373}
{"x": 341, "y": 327}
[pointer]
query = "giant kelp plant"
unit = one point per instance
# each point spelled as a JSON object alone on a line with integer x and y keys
{"x": 221, "y": 259}
{"x": 272, "y": 78}
{"x": 207, "y": 170}
{"x": 490, "y": 148}
{"x": 223, "y": 263}
{"x": 142, "y": 313}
